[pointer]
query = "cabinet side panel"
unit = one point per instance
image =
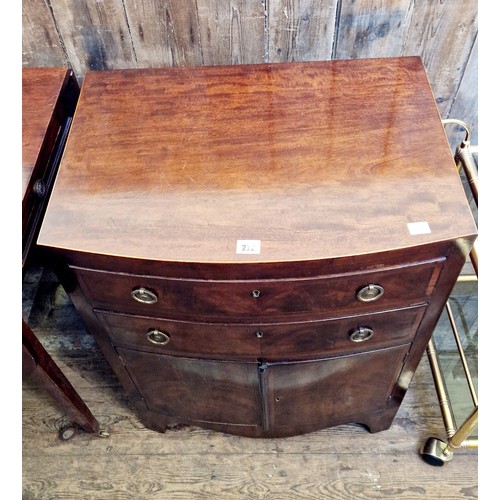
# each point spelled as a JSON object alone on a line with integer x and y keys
{"x": 454, "y": 262}
{"x": 70, "y": 284}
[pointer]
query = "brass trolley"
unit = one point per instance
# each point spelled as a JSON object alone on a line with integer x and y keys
{"x": 436, "y": 451}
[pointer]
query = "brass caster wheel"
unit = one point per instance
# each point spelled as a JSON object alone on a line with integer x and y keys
{"x": 436, "y": 452}
{"x": 68, "y": 432}
{"x": 103, "y": 434}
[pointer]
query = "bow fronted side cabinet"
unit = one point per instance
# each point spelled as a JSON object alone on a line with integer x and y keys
{"x": 262, "y": 250}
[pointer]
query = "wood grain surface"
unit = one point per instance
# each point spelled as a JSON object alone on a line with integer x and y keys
{"x": 437, "y": 23}
{"x": 218, "y": 300}
{"x": 369, "y": 28}
{"x": 316, "y": 160}
{"x": 40, "y": 94}
{"x": 87, "y": 35}
{"x": 97, "y": 29}
{"x": 465, "y": 103}
{"x": 301, "y": 30}
{"x": 42, "y": 45}
{"x": 269, "y": 340}
{"x": 49, "y": 97}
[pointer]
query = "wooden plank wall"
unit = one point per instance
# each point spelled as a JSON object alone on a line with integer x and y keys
{"x": 112, "y": 34}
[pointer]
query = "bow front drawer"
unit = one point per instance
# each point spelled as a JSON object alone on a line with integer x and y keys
{"x": 324, "y": 296}
{"x": 298, "y": 340}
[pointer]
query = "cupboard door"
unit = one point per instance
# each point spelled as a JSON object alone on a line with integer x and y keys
{"x": 194, "y": 389}
{"x": 328, "y": 392}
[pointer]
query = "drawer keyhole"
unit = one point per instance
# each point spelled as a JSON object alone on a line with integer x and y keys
{"x": 256, "y": 294}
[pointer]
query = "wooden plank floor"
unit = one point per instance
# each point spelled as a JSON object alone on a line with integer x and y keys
{"x": 346, "y": 462}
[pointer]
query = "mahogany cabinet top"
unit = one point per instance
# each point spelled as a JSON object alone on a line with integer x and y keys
{"x": 40, "y": 94}
{"x": 314, "y": 160}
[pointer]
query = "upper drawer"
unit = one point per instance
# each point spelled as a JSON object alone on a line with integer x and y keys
{"x": 325, "y": 296}
{"x": 274, "y": 341}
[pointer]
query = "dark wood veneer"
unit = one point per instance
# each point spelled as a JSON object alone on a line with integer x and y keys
{"x": 264, "y": 340}
{"x": 49, "y": 97}
{"x": 321, "y": 160}
{"x": 327, "y": 164}
{"x": 218, "y": 299}
{"x": 202, "y": 390}
{"x": 317, "y": 392}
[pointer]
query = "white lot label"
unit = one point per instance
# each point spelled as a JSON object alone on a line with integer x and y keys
{"x": 248, "y": 246}
{"x": 419, "y": 228}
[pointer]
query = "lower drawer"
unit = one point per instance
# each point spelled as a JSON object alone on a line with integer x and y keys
{"x": 299, "y": 340}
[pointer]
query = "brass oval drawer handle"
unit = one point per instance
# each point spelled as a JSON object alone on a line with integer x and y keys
{"x": 370, "y": 293}
{"x": 144, "y": 296}
{"x": 158, "y": 337}
{"x": 361, "y": 334}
